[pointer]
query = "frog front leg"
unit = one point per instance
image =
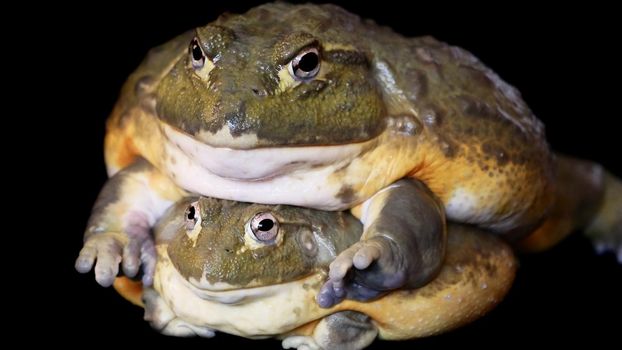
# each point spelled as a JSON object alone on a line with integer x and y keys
{"x": 341, "y": 330}
{"x": 403, "y": 245}
{"x": 118, "y": 230}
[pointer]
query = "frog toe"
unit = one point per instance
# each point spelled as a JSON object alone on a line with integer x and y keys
{"x": 300, "y": 343}
{"x": 363, "y": 272}
{"x": 366, "y": 255}
{"x": 611, "y": 242}
{"x": 330, "y": 294}
{"x": 605, "y": 230}
{"x": 131, "y": 258}
{"x": 180, "y": 328}
{"x": 107, "y": 268}
{"x": 104, "y": 251}
{"x": 356, "y": 291}
{"x": 86, "y": 259}
{"x": 148, "y": 258}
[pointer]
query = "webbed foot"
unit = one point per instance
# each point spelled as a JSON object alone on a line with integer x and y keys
{"x": 341, "y": 330}
{"x": 364, "y": 271}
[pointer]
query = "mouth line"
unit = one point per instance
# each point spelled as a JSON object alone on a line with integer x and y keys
{"x": 224, "y": 287}
{"x": 255, "y": 145}
{"x": 232, "y": 295}
{"x": 250, "y": 287}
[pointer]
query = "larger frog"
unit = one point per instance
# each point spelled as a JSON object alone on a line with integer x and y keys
{"x": 253, "y": 270}
{"x": 310, "y": 105}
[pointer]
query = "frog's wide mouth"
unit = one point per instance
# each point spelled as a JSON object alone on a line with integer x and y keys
{"x": 257, "y": 164}
{"x": 228, "y": 294}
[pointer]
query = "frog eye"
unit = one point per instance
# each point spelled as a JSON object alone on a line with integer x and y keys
{"x": 197, "y": 56}
{"x": 192, "y": 215}
{"x": 306, "y": 64}
{"x": 264, "y": 227}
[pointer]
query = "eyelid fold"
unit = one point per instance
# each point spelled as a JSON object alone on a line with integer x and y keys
{"x": 291, "y": 45}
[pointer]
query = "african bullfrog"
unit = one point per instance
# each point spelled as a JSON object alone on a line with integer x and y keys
{"x": 310, "y": 105}
{"x": 253, "y": 270}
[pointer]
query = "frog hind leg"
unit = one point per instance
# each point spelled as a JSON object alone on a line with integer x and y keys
{"x": 586, "y": 197}
{"x": 605, "y": 229}
{"x": 341, "y": 330}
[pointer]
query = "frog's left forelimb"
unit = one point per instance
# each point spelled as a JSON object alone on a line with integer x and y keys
{"x": 403, "y": 245}
{"x": 111, "y": 238}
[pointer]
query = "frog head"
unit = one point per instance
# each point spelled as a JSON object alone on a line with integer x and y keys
{"x": 279, "y": 75}
{"x": 225, "y": 245}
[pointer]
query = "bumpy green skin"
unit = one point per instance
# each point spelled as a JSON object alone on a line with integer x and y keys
{"x": 296, "y": 117}
{"x": 455, "y": 96}
{"x": 219, "y": 253}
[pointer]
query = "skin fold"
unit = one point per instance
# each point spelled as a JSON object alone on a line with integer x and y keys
{"x": 285, "y": 104}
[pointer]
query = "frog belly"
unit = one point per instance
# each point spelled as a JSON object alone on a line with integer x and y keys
{"x": 252, "y": 313}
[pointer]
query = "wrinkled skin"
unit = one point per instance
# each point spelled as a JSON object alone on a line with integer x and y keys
{"x": 217, "y": 271}
{"x": 286, "y": 104}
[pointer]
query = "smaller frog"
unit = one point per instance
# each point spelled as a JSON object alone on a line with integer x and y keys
{"x": 255, "y": 271}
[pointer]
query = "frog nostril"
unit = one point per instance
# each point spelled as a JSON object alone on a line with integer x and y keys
{"x": 259, "y": 92}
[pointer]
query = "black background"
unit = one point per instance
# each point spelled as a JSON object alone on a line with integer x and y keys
{"x": 562, "y": 59}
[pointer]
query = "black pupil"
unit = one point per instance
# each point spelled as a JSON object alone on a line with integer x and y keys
{"x": 308, "y": 62}
{"x": 191, "y": 213}
{"x": 265, "y": 225}
{"x": 197, "y": 54}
